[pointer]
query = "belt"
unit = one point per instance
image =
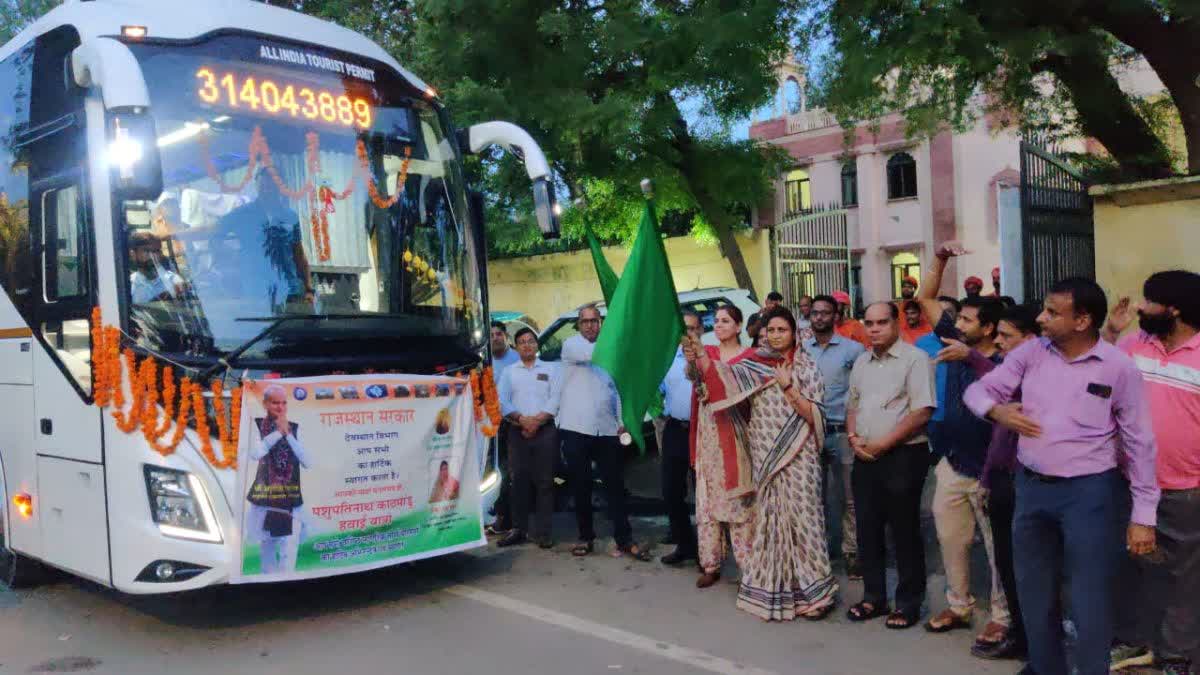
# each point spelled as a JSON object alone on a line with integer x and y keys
{"x": 835, "y": 428}
{"x": 1043, "y": 478}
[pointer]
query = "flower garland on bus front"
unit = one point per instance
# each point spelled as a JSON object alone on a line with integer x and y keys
{"x": 320, "y": 198}
{"x": 483, "y": 391}
{"x": 110, "y": 362}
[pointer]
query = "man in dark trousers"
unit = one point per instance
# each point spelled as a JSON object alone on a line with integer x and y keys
{"x": 1083, "y": 414}
{"x": 676, "y": 454}
{"x": 524, "y": 391}
{"x": 891, "y": 400}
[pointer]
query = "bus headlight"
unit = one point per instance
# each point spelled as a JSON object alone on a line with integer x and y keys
{"x": 179, "y": 504}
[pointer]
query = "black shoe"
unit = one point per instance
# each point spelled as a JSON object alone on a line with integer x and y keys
{"x": 677, "y": 557}
{"x": 1007, "y": 648}
{"x": 512, "y": 539}
{"x": 545, "y": 543}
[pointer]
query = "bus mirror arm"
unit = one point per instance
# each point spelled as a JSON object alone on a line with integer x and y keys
{"x": 109, "y": 65}
{"x": 517, "y": 140}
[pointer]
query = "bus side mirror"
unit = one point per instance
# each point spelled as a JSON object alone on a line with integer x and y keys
{"x": 135, "y": 168}
{"x": 132, "y": 152}
{"x": 515, "y": 139}
{"x": 546, "y": 208}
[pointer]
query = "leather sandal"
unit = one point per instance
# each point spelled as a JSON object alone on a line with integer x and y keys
{"x": 947, "y": 621}
{"x": 708, "y": 579}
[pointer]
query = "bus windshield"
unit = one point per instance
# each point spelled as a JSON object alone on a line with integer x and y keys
{"x": 305, "y": 188}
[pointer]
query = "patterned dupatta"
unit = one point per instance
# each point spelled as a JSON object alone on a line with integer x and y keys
{"x": 752, "y": 374}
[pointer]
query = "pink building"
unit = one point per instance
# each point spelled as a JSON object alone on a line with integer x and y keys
{"x": 902, "y": 195}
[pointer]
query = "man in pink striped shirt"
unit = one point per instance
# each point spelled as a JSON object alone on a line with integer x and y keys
{"x": 1158, "y": 616}
{"x": 1083, "y": 413}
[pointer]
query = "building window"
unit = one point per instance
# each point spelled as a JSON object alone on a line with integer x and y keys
{"x": 904, "y": 265}
{"x": 902, "y": 176}
{"x": 849, "y": 184}
{"x": 797, "y": 192}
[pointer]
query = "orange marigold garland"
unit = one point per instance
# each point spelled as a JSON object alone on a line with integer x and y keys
{"x": 320, "y": 200}
{"x": 146, "y": 394}
{"x": 486, "y": 400}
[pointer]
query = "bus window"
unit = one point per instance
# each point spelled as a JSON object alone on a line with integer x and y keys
{"x": 65, "y": 254}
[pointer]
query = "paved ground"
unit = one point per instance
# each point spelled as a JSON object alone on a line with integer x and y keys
{"x": 489, "y": 611}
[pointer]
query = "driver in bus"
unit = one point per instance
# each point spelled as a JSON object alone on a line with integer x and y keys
{"x": 260, "y": 251}
{"x": 150, "y": 280}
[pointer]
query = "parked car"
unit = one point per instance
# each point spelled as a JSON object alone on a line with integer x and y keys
{"x": 703, "y": 301}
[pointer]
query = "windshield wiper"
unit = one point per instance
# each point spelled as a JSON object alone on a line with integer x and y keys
{"x": 226, "y": 362}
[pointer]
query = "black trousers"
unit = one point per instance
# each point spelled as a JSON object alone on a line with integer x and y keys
{"x": 887, "y": 495}
{"x": 531, "y": 467}
{"x": 1002, "y": 504}
{"x": 580, "y": 450}
{"x": 676, "y": 466}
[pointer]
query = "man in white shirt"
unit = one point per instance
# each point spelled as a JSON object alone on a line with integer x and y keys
{"x": 588, "y": 409}
{"x": 150, "y": 281}
{"x": 532, "y": 441}
{"x": 676, "y": 449}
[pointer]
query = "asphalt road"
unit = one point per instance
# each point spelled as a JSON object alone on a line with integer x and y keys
{"x": 491, "y": 611}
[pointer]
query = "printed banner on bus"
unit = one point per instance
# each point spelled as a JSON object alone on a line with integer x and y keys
{"x": 345, "y": 473}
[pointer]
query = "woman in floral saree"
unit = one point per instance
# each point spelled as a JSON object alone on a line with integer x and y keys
{"x": 771, "y": 399}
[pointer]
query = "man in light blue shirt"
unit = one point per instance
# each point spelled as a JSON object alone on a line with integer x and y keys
{"x": 585, "y": 402}
{"x": 502, "y": 358}
{"x": 525, "y": 390}
{"x": 502, "y": 355}
{"x": 676, "y": 450}
{"x": 834, "y": 356}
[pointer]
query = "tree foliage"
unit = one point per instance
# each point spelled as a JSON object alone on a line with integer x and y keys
{"x": 602, "y": 86}
{"x": 932, "y": 59}
{"x": 17, "y": 14}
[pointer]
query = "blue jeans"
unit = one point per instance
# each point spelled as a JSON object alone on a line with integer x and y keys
{"x": 1067, "y": 532}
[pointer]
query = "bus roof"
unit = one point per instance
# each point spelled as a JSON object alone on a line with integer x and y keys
{"x": 186, "y": 19}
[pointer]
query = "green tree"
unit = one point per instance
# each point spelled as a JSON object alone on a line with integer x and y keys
{"x": 931, "y": 59}
{"x": 603, "y": 87}
{"x": 17, "y": 14}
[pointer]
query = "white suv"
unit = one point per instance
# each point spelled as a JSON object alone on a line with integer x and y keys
{"x": 703, "y": 301}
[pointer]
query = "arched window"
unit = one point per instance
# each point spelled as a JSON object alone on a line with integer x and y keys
{"x": 797, "y": 192}
{"x": 904, "y": 265}
{"x": 792, "y": 96}
{"x": 902, "y": 176}
{"x": 849, "y": 183}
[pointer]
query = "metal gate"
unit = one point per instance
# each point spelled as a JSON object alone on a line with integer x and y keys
{"x": 812, "y": 255}
{"x": 1057, "y": 232}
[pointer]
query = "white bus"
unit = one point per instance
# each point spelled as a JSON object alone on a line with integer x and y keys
{"x": 130, "y": 130}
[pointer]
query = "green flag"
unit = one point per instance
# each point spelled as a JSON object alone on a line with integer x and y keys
{"x": 643, "y": 327}
{"x": 604, "y": 271}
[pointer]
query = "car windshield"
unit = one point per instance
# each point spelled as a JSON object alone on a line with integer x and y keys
{"x": 305, "y": 188}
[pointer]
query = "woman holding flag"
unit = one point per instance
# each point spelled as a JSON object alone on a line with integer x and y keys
{"x": 777, "y": 435}
{"x": 719, "y": 505}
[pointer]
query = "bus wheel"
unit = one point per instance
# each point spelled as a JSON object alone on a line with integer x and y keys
{"x": 16, "y": 570}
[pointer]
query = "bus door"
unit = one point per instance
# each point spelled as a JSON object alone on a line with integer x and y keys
{"x": 68, "y": 441}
